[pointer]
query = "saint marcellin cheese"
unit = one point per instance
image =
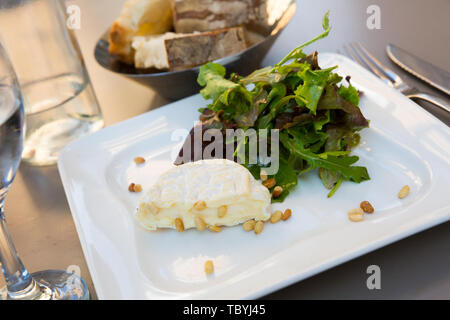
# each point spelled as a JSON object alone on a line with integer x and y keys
{"x": 176, "y": 51}
{"x": 219, "y": 183}
{"x": 206, "y": 15}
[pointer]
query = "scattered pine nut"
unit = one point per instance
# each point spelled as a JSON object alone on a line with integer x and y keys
{"x": 356, "y": 215}
{"x": 200, "y": 205}
{"x": 209, "y": 267}
{"x": 277, "y": 191}
{"x": 287, "y": 214}
{"x": 276, "y": 216}
{"x": 404, "y": 192}
{"x": 137, "y": 188}
{"x": 269, "y": 183}
{"x": 139, "y": 160}
{"x": 259, "y": 226}
{"x": 200, "y": 223}
{"x": 214, "y": 228}
{"x": 356, "y": 218}
{"x": 366, "y": 207}
{"x": 249, "y": 225}
{"x": 263, "y": 175}
{"x": 131, "y": 187}
{"x": 179, "y": 225}
{"x": 222, "y": 211}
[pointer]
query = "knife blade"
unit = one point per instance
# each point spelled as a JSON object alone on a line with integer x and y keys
{"x": 425, "y": 71}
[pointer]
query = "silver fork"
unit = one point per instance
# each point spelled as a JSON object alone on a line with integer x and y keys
{"x": 360, "y": 54}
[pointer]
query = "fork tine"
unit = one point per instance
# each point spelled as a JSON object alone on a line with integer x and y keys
{"x": 388, "y": 72}
{"x": 352, "y": 55}
{"x": 368, "y": 62}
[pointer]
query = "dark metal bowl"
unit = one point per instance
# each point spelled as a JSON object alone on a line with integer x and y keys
{"x": 174, "y": 85}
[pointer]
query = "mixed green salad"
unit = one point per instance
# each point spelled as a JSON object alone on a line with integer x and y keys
{"x": 317, "y": 116}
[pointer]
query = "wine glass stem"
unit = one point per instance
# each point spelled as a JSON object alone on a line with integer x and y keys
{"x": 18, "y": 281}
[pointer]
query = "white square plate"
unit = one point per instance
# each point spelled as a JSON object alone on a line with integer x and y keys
{"x": 404, "y": 146}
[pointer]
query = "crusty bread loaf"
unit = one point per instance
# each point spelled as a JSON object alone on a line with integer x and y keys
{"x": 138, "y": 18}
{"x": 207, "y": 15}
{"x": 197, "y": 49}
{"x": 180, "y": 51}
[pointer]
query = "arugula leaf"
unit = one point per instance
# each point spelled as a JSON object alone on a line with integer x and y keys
{"x": 338, "y": 164}
{"x": 297, "y": 52}
{"x": 336, "y": 186}
{"x": 317, "y": 118}
{"x": 329, "y": 178}
{"x": 211, "y": 77}
{"x": 276, "y": 100}
{"x": 230, "y": 97}
{"x": 341, "y": 139}
{"x": 287, "y": 120}
{"x": 265, "y": 75}
{"x": 275, "y": 109}
{"x": 286, "y": 177}
{"x": 322, "y": 120}
{"x": 332, "y": 100}
{"x": 248, "y": 119}
{"x": 307, "y": 137}
{"x": 350, "y": 94}
{"x": 314, "y": 83}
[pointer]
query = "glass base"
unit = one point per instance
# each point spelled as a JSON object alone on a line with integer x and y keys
{"x": 42, "y": 147}
{"x": 52, "y": 285}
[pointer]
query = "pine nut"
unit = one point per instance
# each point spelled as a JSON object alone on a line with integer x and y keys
{"x": 276, "y": 216}
{"x": 200, "y": 223}
{"x": 214, "y": 228}
{"x": 367, "y": 207}
{"x": 209, "y": 267}
{"x": 277, "y": 191}
{"x": 287, "y": 214}
{"x": 179, "y": 225}
{"x": 137, "y": 188}
{"x": 270, "y": 183}
{"x": 404, "y": 192}
{"x": 200, "y": 205}
{"x": 139, "y": 160}
{"x": 249, "y": 225}
{"x": 263, "y": 175}
{"x": 356, "y": 215}
{"x": 259, "y": 226}
{"x": 222, "y": 211}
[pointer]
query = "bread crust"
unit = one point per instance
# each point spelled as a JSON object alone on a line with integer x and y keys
{"x": 120, "y": 39}
{"x": 138, "y": 18}
{"x": 197, "y": 49}
{"x": 181, "y": 51}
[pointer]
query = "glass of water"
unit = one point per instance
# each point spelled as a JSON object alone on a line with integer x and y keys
{"x": 20, "y": 285}
{"x": 60, "y": 104}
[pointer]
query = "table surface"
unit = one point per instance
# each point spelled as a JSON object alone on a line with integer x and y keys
{"x": 418, "y": 267}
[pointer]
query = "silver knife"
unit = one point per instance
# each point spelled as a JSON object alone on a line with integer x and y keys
{"x": 423, "y": 70}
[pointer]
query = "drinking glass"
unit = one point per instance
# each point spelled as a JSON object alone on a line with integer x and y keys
{"x": 60, "y": 104}
{"x": 20, "y": 285}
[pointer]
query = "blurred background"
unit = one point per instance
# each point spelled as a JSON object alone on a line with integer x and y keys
{"x": 414, "y": 25}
